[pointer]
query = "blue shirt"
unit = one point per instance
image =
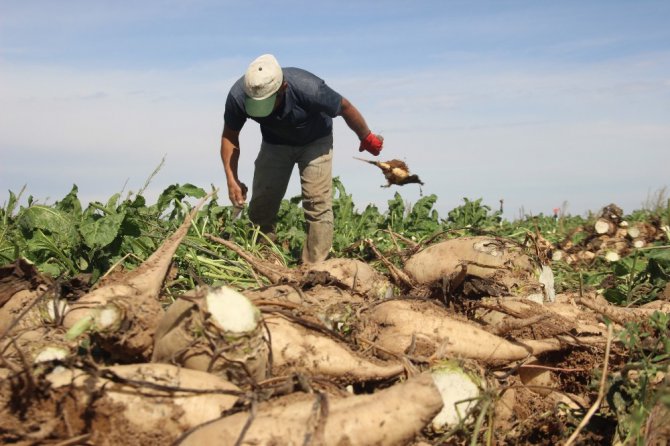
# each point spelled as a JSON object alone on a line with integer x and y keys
{"x": 305, "y": 115}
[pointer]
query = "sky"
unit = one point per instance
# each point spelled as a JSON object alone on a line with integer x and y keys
{"x": 541, "y": 104}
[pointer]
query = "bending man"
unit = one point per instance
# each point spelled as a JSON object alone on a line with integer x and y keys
{"x": 295, "y": 110}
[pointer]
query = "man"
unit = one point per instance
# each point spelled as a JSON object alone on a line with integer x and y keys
{"x": 294, "y": 109}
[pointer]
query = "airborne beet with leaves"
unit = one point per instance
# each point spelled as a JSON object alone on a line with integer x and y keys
{"x": 418, "y": 329}
{"x": 395, "y": 171}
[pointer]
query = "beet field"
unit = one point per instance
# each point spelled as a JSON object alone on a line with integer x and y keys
{"x": 177, "y": 322}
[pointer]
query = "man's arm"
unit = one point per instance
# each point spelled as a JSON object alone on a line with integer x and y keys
{"x": 369, "y": 141}
{"x": 354, "y": 119}
{"x": 230, "y": 155}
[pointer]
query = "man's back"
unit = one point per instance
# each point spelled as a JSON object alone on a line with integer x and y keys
{"x": 305, "y": 114}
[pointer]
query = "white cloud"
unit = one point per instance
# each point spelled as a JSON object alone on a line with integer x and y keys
{"x": 533, "y": 135}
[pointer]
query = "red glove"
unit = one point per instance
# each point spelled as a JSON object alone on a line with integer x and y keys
{"x": 372, "y": 143}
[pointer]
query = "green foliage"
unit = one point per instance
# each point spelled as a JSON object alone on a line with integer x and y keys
{"x": 473, "y": 214}
{"x": 656, "y": 208}
{"x": 65, "y": 240}
{"x": 638, "y": 278}
{"x": 50, "y": 234}
{"x": 175, "y": 194}
{"x": 351, "y": 226}
{"x": 634, "y": 391}
{"x": 291, "y": 226}
{"x": 420, "y": 220}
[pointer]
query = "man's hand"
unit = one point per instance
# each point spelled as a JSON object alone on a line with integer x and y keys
{"x": 372, "y": 143}
{"x": 237, "y": 192}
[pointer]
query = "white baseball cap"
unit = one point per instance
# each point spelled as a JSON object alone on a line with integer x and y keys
{"x": 261, "y": 83}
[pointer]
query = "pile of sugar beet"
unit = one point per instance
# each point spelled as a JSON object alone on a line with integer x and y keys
{"x": 467, "y": 340}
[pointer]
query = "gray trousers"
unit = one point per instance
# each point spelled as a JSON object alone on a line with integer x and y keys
{"x": 273, "y": 168}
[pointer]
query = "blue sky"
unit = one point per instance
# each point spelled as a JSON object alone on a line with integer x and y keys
{"x": 542, "y": 104}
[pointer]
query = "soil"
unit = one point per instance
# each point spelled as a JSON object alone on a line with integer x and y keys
{"x": 32, "y": 412}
